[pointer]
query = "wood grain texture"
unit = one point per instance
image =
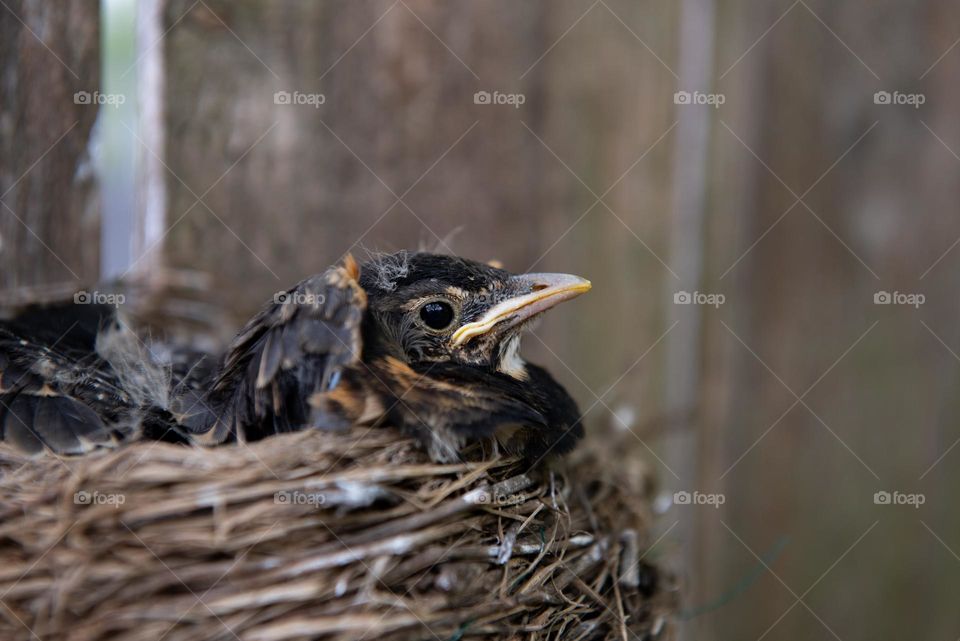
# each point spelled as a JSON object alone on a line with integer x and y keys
{"x": 49, "y": 221}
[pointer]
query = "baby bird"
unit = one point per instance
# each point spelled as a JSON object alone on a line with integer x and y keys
{"x": 425, "y": 342}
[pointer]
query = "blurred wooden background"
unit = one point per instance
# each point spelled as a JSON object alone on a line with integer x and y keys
{"x": 241, "y": 196}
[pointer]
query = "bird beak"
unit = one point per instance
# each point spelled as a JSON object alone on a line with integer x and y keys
{"x": 540, "y": 293}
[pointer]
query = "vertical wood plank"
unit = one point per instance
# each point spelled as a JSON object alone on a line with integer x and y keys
{"x": 683, "y": 391}
{"x": 49, "y": 220}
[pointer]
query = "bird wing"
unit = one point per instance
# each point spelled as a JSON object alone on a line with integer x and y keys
{"x": 296, "y": 347}
{"x": 55, "y": 390}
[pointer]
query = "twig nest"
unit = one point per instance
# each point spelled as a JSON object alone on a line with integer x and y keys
{"x": 322, "y": 536}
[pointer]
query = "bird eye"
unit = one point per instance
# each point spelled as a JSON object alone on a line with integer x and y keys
{"x": 436, "y": 315}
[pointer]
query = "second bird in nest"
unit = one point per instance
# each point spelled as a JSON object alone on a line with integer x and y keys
{"x": 425, "y": 342}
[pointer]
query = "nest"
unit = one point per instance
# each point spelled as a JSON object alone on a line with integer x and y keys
{"x": 323, "y": 536}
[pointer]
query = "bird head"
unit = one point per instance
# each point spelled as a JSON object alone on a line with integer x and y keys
{"x": 433, "y": 308}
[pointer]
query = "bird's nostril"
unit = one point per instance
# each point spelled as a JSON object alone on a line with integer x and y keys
{"x": 539, "y": 286}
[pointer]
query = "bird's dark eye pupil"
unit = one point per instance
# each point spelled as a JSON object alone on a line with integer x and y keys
{"x": 436, "y": 315}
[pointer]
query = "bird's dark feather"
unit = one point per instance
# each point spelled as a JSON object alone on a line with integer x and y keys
{"x": 319, "y": 356}
{"x": 55, "y": 391}
{"x": 294, "y": 348}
